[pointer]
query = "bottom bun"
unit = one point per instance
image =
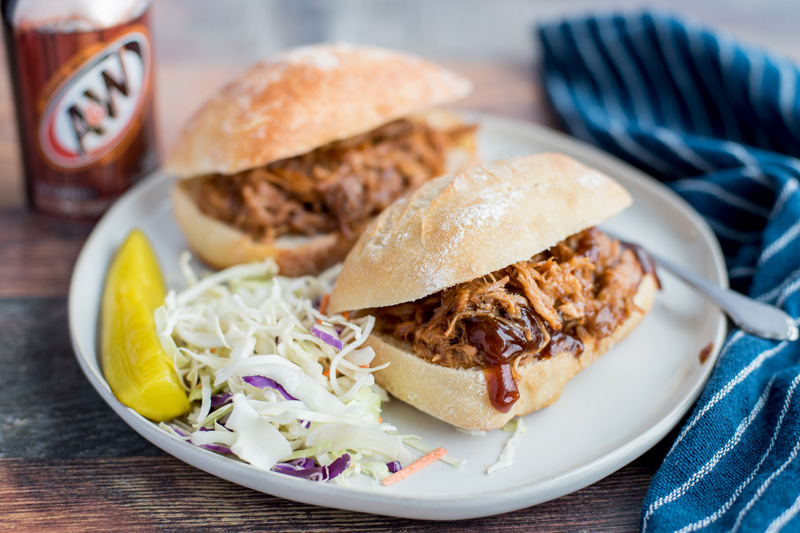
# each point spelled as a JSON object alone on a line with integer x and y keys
{"x": 221, "y": 245}
{"x": 459, "y": 396}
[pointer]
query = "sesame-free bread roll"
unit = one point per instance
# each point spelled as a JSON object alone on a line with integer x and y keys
{"x": 463, "y": 227}
{"x": 290, "y": 105}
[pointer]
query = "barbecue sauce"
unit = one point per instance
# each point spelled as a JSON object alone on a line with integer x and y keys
{"x": 501, "y": 386}
{"x": 706, "y": 352}
{"x": 646, "y": 262}
{"x": 499, "y": 344}
{"x": 560, "y": 343}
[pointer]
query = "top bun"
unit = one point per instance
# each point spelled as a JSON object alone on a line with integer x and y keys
{"x": 467, "y": 224}
{"x": 304, "y": 98}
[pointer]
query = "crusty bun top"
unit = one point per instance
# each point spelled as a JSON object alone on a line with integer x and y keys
{"x": 305, "y": 98}
{"x": 470, "y": 223}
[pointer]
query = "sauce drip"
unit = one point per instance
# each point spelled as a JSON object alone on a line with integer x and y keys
{"x": 502, "y": 387}
{"x": 500, "y": 344}
{"x": 647, "y": 263}
{"x": 706, "y": 352}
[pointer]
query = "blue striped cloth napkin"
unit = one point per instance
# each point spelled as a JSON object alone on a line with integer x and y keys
{"x": 719, "y": 121}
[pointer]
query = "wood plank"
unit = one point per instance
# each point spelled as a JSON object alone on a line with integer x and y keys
{"x": 49, "y": 408}
{"x": 161, "y": 492}
{"x": 38, "y": 253}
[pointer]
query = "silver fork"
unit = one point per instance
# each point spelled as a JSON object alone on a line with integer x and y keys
{"x": 752, "y": 316}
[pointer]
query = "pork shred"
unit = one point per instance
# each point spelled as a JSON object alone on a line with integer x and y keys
{"x": 582, "y": 287}
{"x": 339, "y": 186}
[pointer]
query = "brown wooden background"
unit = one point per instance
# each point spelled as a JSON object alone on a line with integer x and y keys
{"x": 66, "y": 461}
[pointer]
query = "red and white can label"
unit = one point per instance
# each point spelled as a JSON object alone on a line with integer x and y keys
{"x": 94, "y": 109}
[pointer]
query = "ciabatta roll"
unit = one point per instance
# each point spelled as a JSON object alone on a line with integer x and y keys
{"x": 296, "y": 156}
{"x": 492, "y": 288}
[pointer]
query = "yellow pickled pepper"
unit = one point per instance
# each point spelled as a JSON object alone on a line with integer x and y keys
{"x": 135, "y": 365}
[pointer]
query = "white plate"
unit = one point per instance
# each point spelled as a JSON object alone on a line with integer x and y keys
{"x": 606, "y": 417}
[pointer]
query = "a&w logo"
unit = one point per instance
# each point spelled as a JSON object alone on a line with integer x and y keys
{"x": 93, "y": 110}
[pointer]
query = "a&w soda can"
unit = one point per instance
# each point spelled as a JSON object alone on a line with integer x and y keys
{"x": 82, "y": 75}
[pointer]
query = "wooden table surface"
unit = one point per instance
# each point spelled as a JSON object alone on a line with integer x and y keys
{"x": 67, "y": 461}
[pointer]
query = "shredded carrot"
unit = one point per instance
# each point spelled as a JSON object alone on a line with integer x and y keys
{"x": 346, "y": 315}
{"x": 363, "y": 366}
{"x": 380, "y": 420}
{"x": 414, "y": 467}
{"x": 323, "y": 303}
{"x": 326, "y": 373}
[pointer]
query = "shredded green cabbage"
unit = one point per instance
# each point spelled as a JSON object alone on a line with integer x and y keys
{"x": 506, "y": 459}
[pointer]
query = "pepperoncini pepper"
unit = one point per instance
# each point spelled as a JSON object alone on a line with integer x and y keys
{"x": 135, "y": 365}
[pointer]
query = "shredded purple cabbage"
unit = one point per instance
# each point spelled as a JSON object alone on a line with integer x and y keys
{"x": 263, "y": 383}
{"x": 327, "y": 338}
{"x": 180, "y": 432}
{"x": 301, "y": 463}
{"x": 219, "y": 448}
{"x": 221, "y": 399}
{"x": 394, "y": 466}
{"x": 308, "y": 470}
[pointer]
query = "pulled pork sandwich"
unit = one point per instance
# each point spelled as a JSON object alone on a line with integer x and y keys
{"x": 295, "y": 157}
{"x": 492, "y": 287}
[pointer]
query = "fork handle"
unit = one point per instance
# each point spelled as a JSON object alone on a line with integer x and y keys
{"x": 752, "y": 316}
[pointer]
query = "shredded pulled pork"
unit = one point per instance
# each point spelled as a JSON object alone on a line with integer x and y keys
{"x": 339, "y": 186}
{"x": 582, "y": 287}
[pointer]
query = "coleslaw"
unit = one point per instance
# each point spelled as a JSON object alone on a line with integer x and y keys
{"x": 274, "y": 381}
